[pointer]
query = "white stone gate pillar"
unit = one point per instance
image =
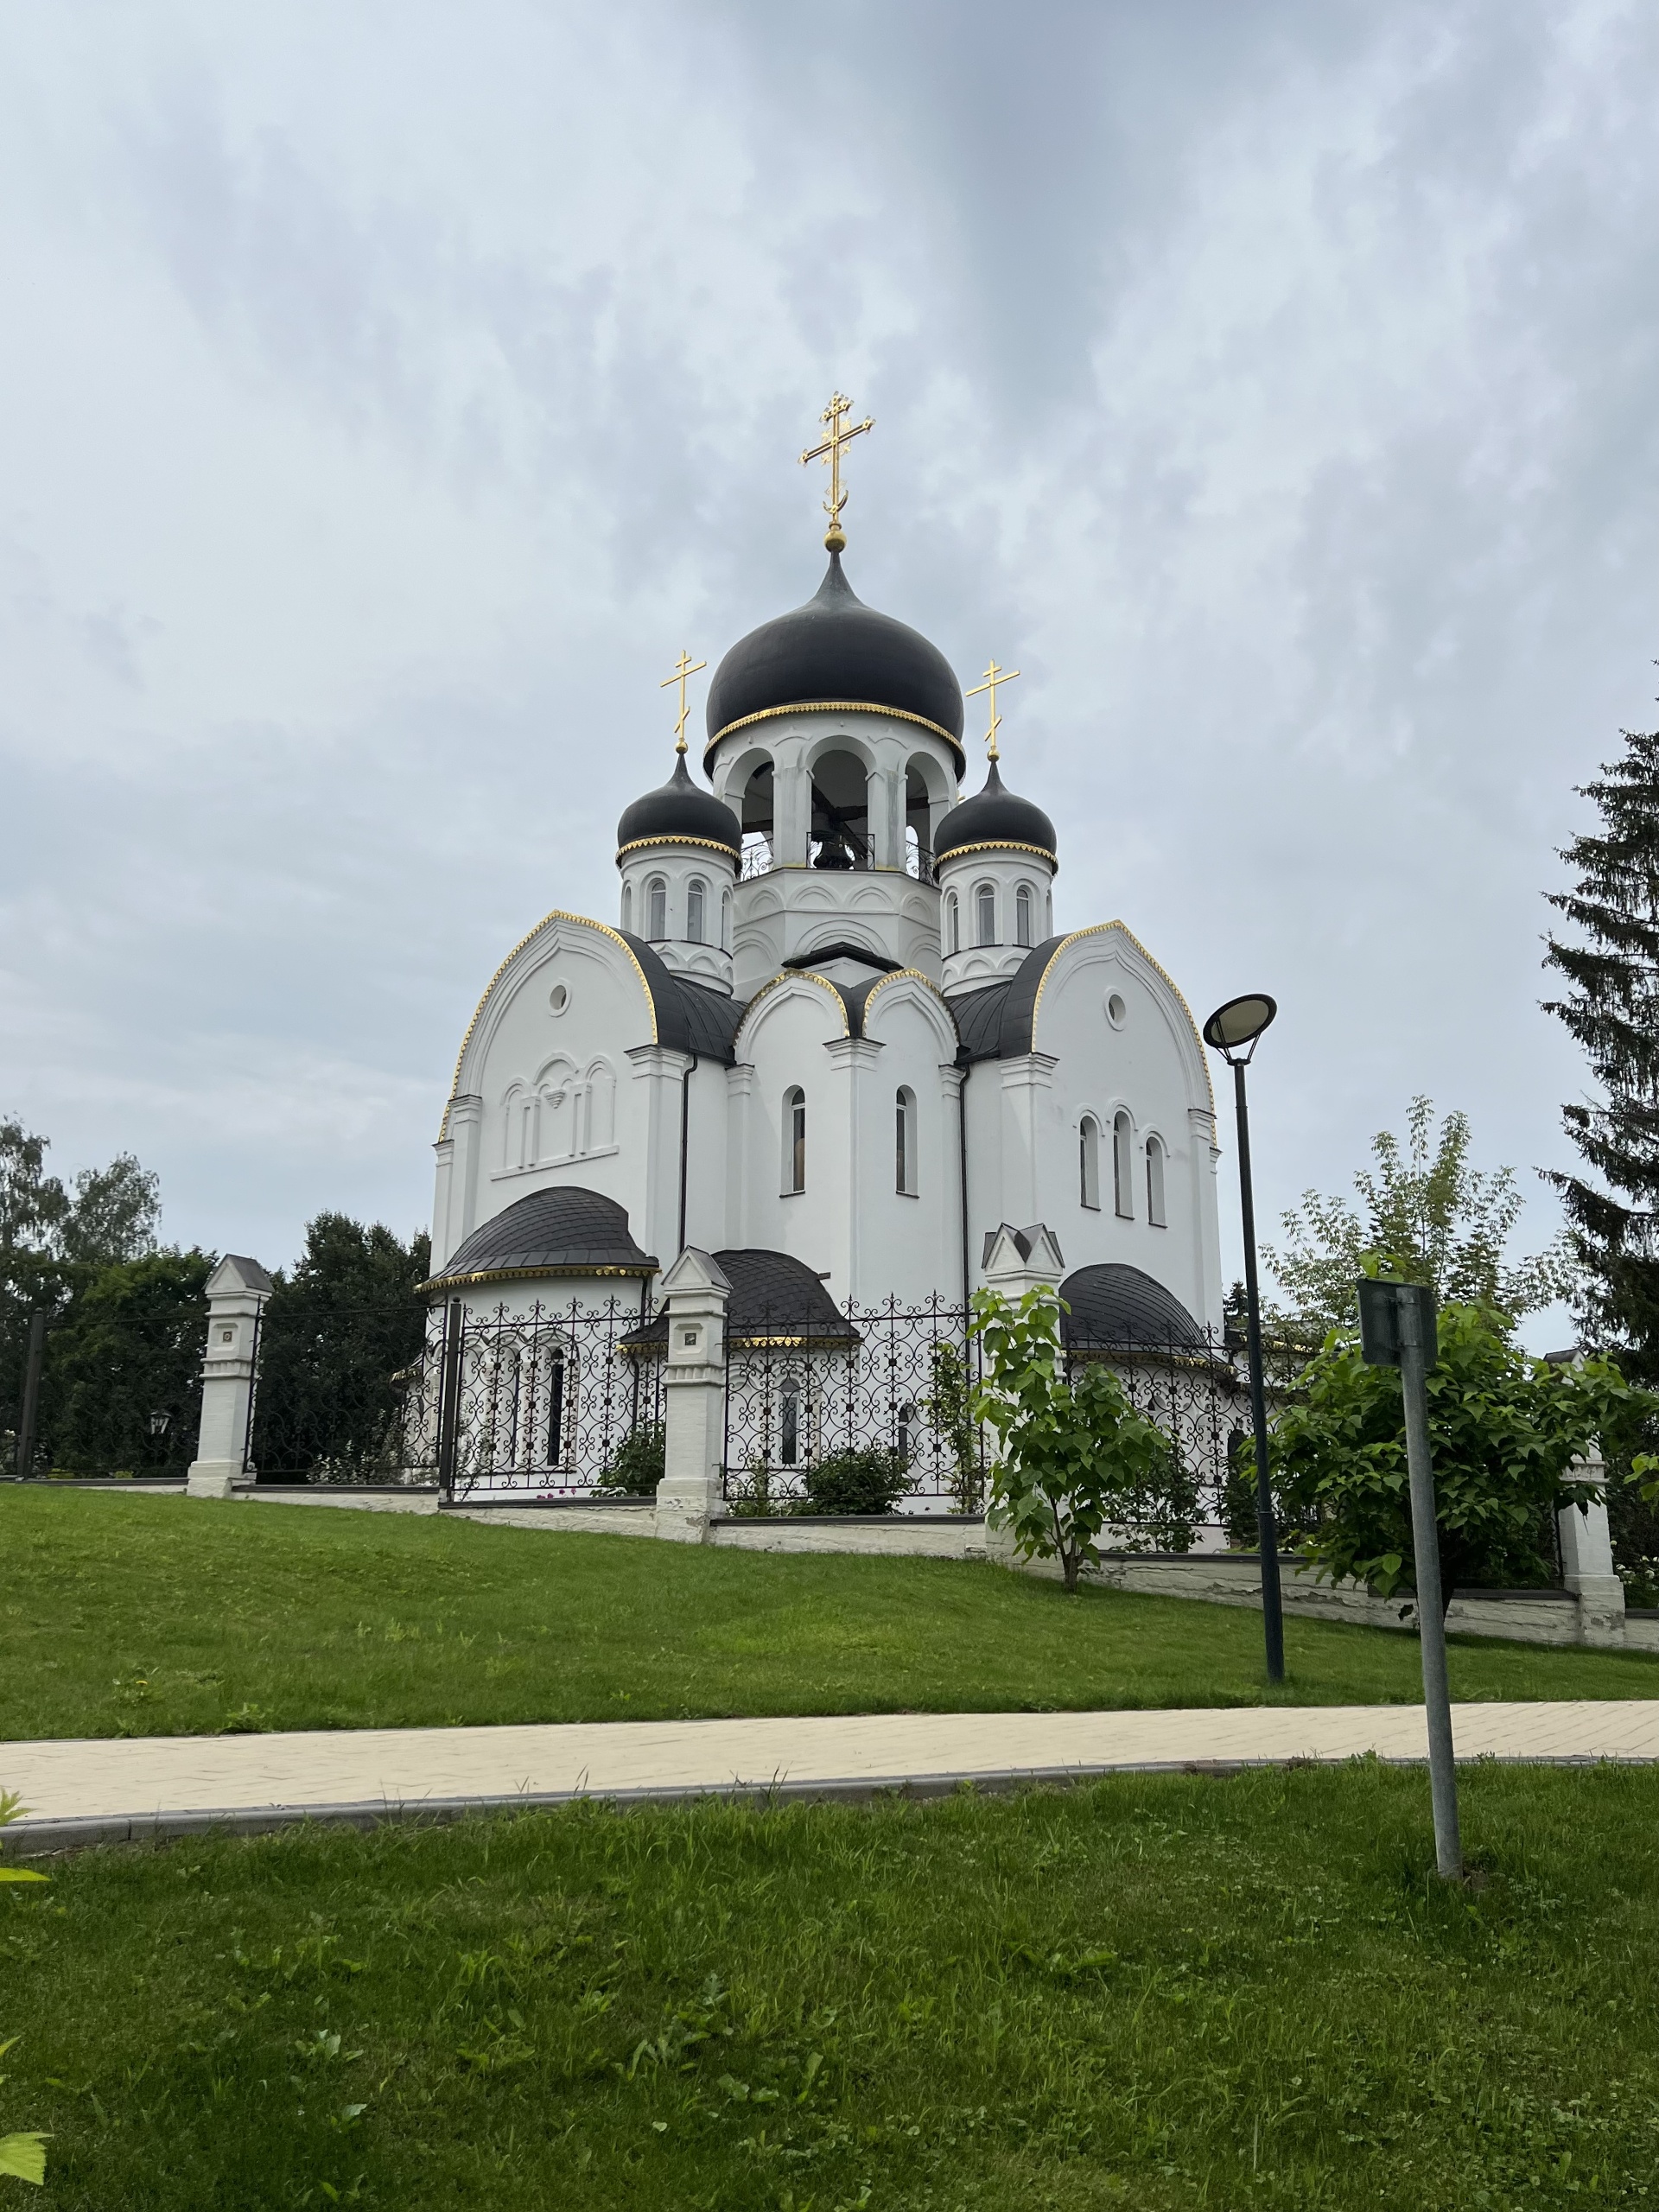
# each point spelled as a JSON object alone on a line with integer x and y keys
{"x": 1018, "y": 1260}
{"x": 1587, "y": 1561}
{"x": 694, "y": 1399}
{"x": 237, "y": 1291}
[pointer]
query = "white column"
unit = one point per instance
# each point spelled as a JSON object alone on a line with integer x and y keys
{"x": 1026, "y": 1083}
{"x": 1205, "y": 1154}
{"x": 237, "y": 1291}
{"x": 690, "y": 1495}
{"x": 1587, "y": 1561}
{"x": 663, "y": 1072}
{"x": 853, "y": 1058}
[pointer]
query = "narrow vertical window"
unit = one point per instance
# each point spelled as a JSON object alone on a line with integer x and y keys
{"x": 794, "y": 1140}
{"x": 905, "y": 1141}
{"x": 724, "y": 921}
{"x": 695, "y": 891}
{"x": 628, "y": 905}
{"x": 1155, "y": 1213}
{"x": 1022, "y": 915}
{"x": 985, "y": 915}
{"x": 1123, "y": 1167}
{"x": 656, "y": 910}
{"x": 1088, "y": 1162}
{"x": 788, "y": 1424}
{"x": 953, "y": 924}
{"x": 555, "y": 1412}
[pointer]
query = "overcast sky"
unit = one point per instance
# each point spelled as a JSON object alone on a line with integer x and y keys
{"x": 389, "y": 391}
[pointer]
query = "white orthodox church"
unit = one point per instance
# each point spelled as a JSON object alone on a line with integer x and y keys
{"x": 834, "y": 1034}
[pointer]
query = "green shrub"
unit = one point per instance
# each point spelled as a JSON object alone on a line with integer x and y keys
{"x": 855, "y": 1482}
{"x": 638, "y": 1467}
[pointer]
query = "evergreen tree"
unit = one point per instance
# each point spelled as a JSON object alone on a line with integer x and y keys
{"x": 1611, "y": 1007}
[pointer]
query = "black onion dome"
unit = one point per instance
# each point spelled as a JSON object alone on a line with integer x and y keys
{"x": 569, "y": 1230}
{"x": 995, "y": 816}
{"x": 678, "y": 810}
{"x": 835, "y": 650}
{"x": 1114, "y": 1304}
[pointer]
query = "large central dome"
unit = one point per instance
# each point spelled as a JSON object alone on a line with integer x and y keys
{"x": 835, "y": 651}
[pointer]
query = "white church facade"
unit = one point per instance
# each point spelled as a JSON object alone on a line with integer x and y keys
{"x": 836, "y": 1033}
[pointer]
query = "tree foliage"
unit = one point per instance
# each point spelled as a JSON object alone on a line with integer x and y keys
{"x": 122, "y": 1388}
{"x": 1612, "y": 1008}
{"x": 1504, "y": 1432}
{"x": 1425, "y": 1215}
{"x": 1075, "y": 1456}
{"x": 336, "y": 1335}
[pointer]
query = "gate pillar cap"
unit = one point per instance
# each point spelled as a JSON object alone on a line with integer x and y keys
{"x": 237, "y": 1275}
{"x": 696, "y": 1272}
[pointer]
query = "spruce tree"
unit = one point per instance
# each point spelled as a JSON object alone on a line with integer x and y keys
{"x": 1613, "y": 1009}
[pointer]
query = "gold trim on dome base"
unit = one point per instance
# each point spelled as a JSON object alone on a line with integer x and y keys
{"x": 703, "y": 844}
{"x": 995, "y": 845}
{"x": 533, "y": 1275}
{"x": 835, "y": 707}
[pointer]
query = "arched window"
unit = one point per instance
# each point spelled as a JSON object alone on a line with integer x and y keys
{"x": 695, "y": 892}
{"x": 904, "y": 1169}
{"x": 1155, "y": 1213}
{"x": 724, "y": 921}
{"x": 794, "y": 1140}
{"x": 953, "y": 924}
{"x": 1088, "y": 1162}
{"x": 655, "y": 909}
{"x": 1123, "y": 1167}
{"x": 1022, "y": 915}
{"x": 985, "y": 914}
{"x": 628, "y": 905}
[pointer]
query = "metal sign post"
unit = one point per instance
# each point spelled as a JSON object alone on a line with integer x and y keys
{"x": 1397, "y": 1329}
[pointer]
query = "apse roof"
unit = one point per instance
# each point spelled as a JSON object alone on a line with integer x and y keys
{"x": 776, "y": 1298}
{"x": 567, "y": 1230}
{"x": 835, "y": 651}
{"x": 1114, "y": 1304}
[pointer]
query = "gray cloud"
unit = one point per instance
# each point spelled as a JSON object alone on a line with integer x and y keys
{"x": 392, "y": 393}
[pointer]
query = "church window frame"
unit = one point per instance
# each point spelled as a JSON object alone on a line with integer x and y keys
{"x": 985, "y": 914}
{"x": 1157, "y": 1210}
{"x": 1123, "y": 1164}
{"x": 657, "y": 909}
{"x": 953, "y": 924}
{"x": 628, "y": 905}
{"x": 724, "y": 921}
{"x": 696, "y": 900}
{"x": 794, "y": 1141}
{"x": 904, "y": 1161}
{"x": 1022, "y": 917}
{"x": 1089, "y": 1163}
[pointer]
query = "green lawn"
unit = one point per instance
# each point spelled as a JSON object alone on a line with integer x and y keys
{"x": 144, "y": 1616}
{"x": 1150, "y": 1993}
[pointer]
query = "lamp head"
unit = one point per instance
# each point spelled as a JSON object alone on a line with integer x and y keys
{"x": 1233, "y": 1030}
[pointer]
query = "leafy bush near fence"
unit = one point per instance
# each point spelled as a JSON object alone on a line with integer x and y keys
{"x": 637, "y": 1467}
{"x": 855, "y": 1482}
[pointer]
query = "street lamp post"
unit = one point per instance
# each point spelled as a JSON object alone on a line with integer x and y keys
{"x": 1234, "y": 1031}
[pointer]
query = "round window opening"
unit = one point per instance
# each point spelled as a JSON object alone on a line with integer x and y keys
{"x": 1117, "y": 1011}
{"x": 559, "y": 997}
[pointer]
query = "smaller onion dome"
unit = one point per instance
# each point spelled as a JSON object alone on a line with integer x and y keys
{"x": 995, "y": 816}
{"x": 678, "y": 811}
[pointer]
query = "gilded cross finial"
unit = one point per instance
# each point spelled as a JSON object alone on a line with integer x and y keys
{"x": 830, "y": 450}
{"x": 994, "y": 675}
{"x": 687, "y": 667}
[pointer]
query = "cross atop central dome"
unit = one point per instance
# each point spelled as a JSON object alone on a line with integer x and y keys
{"x": 835, "y": 651}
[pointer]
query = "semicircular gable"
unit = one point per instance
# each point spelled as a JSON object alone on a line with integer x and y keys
{"x": 663, "y": 1011}
{"x": 909, "y": 987}
{"x": 798, "y": 984}
{"x": 1106, "y": 941}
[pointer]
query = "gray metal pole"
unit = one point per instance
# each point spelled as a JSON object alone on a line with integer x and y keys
{"x": 1430, "y": 1611}
{"x": 28, "y": 1412}
{"x": 1272, "y": 1615}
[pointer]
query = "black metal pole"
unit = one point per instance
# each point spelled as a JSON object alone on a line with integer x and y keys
{"x": 449, "y": 1402}
{"x": 30, "y": 1411}
{"x": 1272, "y": 1615}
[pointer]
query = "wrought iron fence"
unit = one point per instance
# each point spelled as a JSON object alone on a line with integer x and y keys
{"x": 554, "y": 1403}
{"x": 344, "y": 1393}
{"x": 877, "y": 1415}
{"x": 875, "y": 1410}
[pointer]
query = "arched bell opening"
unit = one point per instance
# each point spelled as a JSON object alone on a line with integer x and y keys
{"x": 756, "y": 808}
{"x": 841, "y": 812}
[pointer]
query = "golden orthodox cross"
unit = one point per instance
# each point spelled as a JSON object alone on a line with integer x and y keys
{"x": 687, "y": 667}
{"x": 994, "y": 675}
{"x": 830, "y": 450}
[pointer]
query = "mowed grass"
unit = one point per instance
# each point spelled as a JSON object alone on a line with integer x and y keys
{"x": 1152, "y": 1992}
{"x": 124, "y": 1615}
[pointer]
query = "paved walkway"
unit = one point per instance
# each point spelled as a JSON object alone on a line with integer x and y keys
{"x": 89, "y": 1791}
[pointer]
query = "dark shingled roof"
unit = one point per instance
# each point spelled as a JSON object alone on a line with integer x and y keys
{"x": 691, "y": 1018}
{"x": 775, "y": 1297}
{"x": 834, "y": 648}
{"x": 564, "y": 1231}
{"x": 1114, "y": 1304}
{"x": 979, "y": 1019}
{"x": 993, "y": 815}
